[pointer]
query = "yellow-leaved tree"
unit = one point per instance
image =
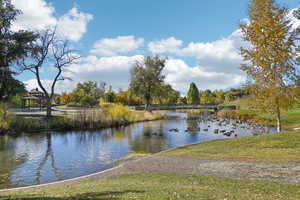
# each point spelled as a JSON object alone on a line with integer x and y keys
{"x": 270, "y": 58}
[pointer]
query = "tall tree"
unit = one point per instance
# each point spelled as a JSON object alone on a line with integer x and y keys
{"x": 297, "y": 16}
{"x": 167, "y": 95}
{"x": 147, "y": 78}
{"x": 270, "y": 58}
{"x": 14, "y": 45}
{"x": 193, "y": 95}
{"x": 49, "y": 51}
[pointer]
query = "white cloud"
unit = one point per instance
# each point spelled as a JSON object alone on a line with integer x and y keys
{"x": 38, "y": 15}
{"x": 116, "y": 46}
{"x": 114, "y": 70}
{"x": 73, "y": 25}
{"x": 180, "y": 75}
{"x": 218, "y": 56}
{"x": 61, "y": 86}
{"x": 170, "y": 45}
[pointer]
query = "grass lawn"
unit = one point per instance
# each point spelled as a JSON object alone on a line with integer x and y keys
{"x": 162, "y": 186}
{"x": 279, "y": 147}
{"x": 290, "y": 119}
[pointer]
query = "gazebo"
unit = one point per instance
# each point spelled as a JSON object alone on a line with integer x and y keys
{"x": 34, "y": 97}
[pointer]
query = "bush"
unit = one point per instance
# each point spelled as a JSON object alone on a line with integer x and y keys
{"x": 88, "y": 101}
{"x": 232, "y": 114}
{"x": 4, "y": 118}
{"x": 117, "y": 113}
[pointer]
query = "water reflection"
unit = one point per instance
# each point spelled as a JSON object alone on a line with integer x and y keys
{"x": 193, "y": 124}
{"x": 151, "y": 140}
{"x": 46, "y": 157}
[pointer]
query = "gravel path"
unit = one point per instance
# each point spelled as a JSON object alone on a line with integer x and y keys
{"x": 287, "y": 173}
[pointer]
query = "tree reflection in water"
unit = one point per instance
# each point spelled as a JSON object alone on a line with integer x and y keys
{"x": 152, "y": 140}
{"x": 193, "y": 124}
{"x": 7, "y": 152}
{"x": 49, "y": 155}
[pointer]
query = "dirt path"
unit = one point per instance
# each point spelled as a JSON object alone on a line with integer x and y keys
{"x": 287, "y": 173}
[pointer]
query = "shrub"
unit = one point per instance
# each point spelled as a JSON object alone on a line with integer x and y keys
{"x": 88, "y": 101}
{"x": 5, "y": 118}
{"x": 231, "y": 114}
{"x": 117, "y": 113}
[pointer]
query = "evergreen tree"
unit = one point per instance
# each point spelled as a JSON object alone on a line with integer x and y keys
{"x": 193, "y": 94}
{"x": 14, "y": 46}
{"x": 270, "y": 57}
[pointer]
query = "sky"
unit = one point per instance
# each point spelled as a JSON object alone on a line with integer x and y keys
{"x": 200, "y": 38}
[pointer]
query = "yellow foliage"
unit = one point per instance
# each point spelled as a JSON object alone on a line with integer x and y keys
{"x": 5, "y": 118}
{"x": 117, "y": 112}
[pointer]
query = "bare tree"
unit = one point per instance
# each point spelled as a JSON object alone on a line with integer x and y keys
{"x": 49, "y": 51}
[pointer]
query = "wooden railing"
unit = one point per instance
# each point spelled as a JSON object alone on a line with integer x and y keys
{"x": 181, "y": 107}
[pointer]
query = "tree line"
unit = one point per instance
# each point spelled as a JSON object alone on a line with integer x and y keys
{"x": 271, "y": 63}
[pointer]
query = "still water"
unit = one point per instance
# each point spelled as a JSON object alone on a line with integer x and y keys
{"x": 31, "y": 159}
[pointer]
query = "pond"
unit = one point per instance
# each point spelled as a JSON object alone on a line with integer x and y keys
{"x": 31, "y": 159}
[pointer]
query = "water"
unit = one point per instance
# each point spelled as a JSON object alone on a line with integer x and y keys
{"x": 31, "y": 159}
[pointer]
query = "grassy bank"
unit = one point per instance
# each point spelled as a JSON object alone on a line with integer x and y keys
{"x": 279, "y": 147}
{"x": 290, "y": 119}
{"x": 110, "y": 115}
{"x": 162, "y": 186}
{"x": 283, "y": 147}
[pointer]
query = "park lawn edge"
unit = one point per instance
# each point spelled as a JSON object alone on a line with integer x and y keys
{"x": 161, "y": 186}
{"x": 281, "y": 147}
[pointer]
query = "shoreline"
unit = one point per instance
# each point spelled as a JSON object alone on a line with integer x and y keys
{"x": 162, "y": 162}
{"x": 122, "y": 162}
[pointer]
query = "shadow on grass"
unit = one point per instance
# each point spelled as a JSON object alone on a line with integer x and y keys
{"x": 113, "y": 195}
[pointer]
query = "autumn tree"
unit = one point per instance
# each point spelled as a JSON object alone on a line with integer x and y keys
{"x": 269, "y": 61}
{"x": 14, "y": 45}
{"x": 193, "y": 94}
{"x": 297, "y": 16}
{"x": 167, "y": 95}
{"x": 49, "y": 51}
{"x": 147, "y": 78}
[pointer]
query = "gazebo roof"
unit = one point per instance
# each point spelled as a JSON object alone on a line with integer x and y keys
{"x": 35, "y": 91}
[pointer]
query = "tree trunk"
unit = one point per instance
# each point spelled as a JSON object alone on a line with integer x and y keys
{"x": 148, "y": 105}
{"x": 49, "y": 109}
{"x": 278, "y": 119}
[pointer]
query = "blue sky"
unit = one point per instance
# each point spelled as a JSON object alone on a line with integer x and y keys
{"x": 201, "y": 38}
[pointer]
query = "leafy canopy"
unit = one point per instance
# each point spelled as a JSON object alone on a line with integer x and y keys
{"x": 269, "y": 61}
{"x": 147, "y": 77}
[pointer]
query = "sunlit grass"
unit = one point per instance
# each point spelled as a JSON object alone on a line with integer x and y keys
{"x": 279, "y": 147}
{"x": 162, "y": 186}
{"x": 290, "y": 118}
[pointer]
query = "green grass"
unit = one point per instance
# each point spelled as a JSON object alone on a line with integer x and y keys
{"x": 279, "y": 147}
{"x": 162, "y": 187}
{"x": 290, "y": 118}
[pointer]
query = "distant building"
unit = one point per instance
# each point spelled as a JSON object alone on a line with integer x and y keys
{"x": 35, "y": 98}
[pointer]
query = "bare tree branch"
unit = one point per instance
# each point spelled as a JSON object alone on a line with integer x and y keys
{"x": 48, "y": 50}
